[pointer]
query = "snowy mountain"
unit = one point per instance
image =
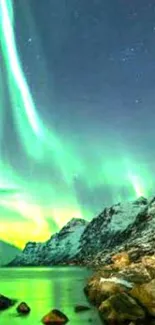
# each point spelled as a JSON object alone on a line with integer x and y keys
{"x": 123, "y": 227}
{"x": 104, "y": 230}
{"x": 126, "y": 226}
{"x": 61, "y": 247}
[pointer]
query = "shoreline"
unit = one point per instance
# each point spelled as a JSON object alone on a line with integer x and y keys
{"x": 124, "y": 291}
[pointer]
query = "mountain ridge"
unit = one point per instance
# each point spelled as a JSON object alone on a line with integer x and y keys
{"x": 80, "y": 242}
{"x": 59, "y": 248}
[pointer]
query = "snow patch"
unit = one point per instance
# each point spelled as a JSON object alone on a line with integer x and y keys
{"x": 119, "y": 281}
{"x": 124, "y": 215}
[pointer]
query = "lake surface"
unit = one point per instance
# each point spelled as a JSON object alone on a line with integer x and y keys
{"x": 45, "y": 289}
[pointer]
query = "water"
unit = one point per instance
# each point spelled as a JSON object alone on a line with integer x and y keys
{"x": 44, "y": 289}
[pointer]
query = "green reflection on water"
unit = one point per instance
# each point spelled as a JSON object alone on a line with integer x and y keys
{"x": 44, "y": 289}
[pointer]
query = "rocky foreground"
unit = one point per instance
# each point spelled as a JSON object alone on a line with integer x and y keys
{"x": 124, "y": 291}
{"x": 128, "y": 226}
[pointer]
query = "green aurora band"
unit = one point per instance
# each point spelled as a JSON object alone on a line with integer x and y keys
{"x": 43, "y": 146}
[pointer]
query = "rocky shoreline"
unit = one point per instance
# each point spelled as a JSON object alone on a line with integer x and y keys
{"x": 124, "y": 291}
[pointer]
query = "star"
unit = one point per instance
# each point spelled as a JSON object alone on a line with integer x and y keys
{"x": 29, "y": 40}
{"x": 137, "y": 101}
{"x": 124, "y": 59}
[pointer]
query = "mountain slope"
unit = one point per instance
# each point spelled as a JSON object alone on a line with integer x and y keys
{"x": 61, "y": 247}
{"x": 123, "y": 226}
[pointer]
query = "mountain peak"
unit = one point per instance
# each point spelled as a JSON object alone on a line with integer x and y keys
{"x": 76, "y": 222}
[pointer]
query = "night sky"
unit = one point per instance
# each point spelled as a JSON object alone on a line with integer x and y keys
{"x": 77, "y": 110}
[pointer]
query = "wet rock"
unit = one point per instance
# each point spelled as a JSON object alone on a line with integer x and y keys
{"x": 23, "y": 308}
{"x": 6, "y": 302}
{"x": 55, "y": 317}
{"x": 80, "y": 308}
{"x": 93, "y": 292}
{"x": 135, "y": 281}
{"x": 120, "y": 308}
{"x": 145, "y": 294}
{"x": 98, "y": 291}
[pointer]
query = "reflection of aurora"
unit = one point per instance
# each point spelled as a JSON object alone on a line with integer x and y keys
{"x": 31, "y": 210}
{"x": 46, "y": 289}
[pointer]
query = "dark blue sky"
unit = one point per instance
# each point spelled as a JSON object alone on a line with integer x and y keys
{"x": 91, "y": 69}
{"x": 99, "y": 59}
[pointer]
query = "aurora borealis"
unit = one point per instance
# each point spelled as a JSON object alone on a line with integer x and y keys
{"x": 77, "y": 111}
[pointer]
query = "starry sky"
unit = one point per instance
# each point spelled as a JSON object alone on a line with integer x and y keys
{"x": 77, "y": 110}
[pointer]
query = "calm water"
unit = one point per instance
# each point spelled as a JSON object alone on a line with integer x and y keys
{"x": 44, "y": 289}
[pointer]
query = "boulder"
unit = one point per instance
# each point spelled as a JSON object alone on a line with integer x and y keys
{"x": 145, "y": 294}
{"x": 97, "y": 291}
{"x": 133, "y": 284}
{"x": 23, "y": 308}
{"x": 135, "y": 273}
{"x": 6, "y": 302}
{"x": 120, "y": 308}
{"x": 55, "y": 317}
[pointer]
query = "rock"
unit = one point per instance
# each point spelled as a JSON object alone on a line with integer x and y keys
{"x": 93, "y": 292}
{"x": 80, "y": 308}
{"x": 120, "y": 308}
{"x": 6, "y": 302}
{"x": 149, "y": 263}
{"x": 145, "y": 294}
{"x": 135, "y": 273}
{"x": 23, "y": 308}
{"x": 55, "y": 317}
{"x": 135, "y": 283}
{"x": 121, "y": 260}
{"x": 98, "y": 291}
